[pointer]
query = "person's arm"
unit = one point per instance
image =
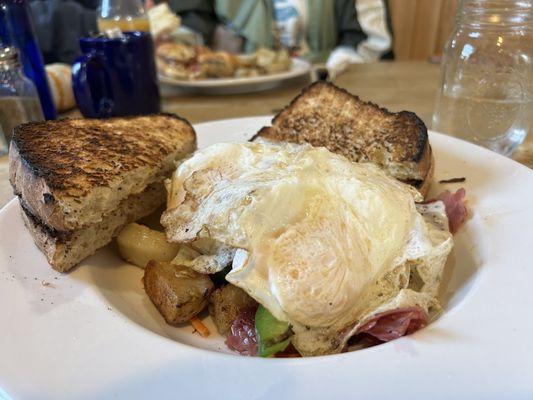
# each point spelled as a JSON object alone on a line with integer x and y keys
{"x": 364, "y": 33}
{"x": 198, "y": 15}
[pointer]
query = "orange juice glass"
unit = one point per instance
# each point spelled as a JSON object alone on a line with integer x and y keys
{"x": 124, "y": 24}
{"x": 126, "y": 15}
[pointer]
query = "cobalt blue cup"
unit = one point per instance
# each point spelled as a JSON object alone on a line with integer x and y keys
{"x": 116, "y": 77}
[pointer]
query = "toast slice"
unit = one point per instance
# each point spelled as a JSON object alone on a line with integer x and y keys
{"x": 324, "y": 115}
{"x": 72, "y": 173}
{"x": 65, "y": 249}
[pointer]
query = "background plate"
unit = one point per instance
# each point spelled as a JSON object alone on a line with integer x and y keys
{"x": 299, "y": 68}
{"x": 94, "y": 334}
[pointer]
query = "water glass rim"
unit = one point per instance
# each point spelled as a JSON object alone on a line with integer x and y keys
{"x": 497, "y": 13}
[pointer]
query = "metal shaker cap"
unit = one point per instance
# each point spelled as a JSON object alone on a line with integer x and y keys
{"x": 8, "y": 56}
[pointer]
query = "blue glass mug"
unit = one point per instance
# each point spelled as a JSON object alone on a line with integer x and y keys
{"x": 116, "y": 76}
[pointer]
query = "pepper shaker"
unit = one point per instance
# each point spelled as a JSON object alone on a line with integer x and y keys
{"x": 19, "y": 99}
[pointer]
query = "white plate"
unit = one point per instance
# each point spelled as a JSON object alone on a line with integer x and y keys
{"x": 94, "y": 334}
{"x": 240, "y": 85}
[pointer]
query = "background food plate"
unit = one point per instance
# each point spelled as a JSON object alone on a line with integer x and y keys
{"x": 93, "y": 333}
{"x": 299, "y": 68}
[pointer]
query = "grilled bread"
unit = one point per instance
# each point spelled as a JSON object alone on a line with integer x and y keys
{"x": 325, "y": 115}
{"x": 65, "y": 249}
{"x": 71, "y": 173}
{"x": 80, "y": 181}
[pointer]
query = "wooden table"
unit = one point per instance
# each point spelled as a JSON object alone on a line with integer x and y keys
{"x": 397, "y": 86}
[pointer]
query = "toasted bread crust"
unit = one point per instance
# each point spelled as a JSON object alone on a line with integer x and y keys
{"x": 55, "y": 165}
{"x": 426, "y": 167}
{"x": 325, "y": 115}
{"x": 65, "y": 249}
{"x": 70, "y": 162}
{"x": 423, "y": 186}
{"x": 33, "y": 189}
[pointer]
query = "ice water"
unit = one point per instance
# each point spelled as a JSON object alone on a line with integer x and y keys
{"x": 498, "y": 124}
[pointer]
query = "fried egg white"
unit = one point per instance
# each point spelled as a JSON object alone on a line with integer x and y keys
{"x": 323, "y": 243}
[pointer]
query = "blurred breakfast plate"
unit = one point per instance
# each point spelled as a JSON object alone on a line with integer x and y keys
{"x": 94, "y": 334}
{"x": 299, "y": 68}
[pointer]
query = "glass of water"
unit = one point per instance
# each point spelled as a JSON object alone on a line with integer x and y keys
{"x": 486, "y": 95}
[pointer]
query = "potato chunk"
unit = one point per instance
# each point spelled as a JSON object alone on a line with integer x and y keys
{"x": 138, "y": 244}
{"x": 225, "y": 304}
{"x": 178, "y": 292}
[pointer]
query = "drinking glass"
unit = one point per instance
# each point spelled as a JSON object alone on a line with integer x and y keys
{"x": 486, "y": 95}
{"x": 126, "y": 15}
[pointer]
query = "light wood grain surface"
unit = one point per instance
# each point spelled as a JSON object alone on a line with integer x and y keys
{"x": 421, "y": 27}
{"x": 397, "y": 86}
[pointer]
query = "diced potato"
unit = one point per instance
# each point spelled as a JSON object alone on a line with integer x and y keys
{"x": 178, "y": 292}
{"x": 139, "y": 244}
{"x": 246, "y": 60}
{"x": 226, "y": 303}
{"x": 281, "y": 63}
{"x": 276, "y": 67}
{"x": 265, "y": 57}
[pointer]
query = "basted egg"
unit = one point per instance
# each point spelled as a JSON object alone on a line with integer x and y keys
{"x": 321, "y": 242}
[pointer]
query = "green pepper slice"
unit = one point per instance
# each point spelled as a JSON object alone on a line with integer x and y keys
{"x": 273, "y": 336}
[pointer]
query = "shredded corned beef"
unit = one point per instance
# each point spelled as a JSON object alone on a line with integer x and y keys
{"x": 455, "y": 207}
{"x": 242, "y": 337}
{"x": 390, "y": 325}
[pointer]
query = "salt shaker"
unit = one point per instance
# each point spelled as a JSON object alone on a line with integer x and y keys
{"x": 19, "y": 100}
{"x": 16, "y": 29}
{"x": 486, "y": 95}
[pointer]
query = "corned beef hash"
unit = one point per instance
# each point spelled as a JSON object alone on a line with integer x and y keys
{"x": 300, "y": 246}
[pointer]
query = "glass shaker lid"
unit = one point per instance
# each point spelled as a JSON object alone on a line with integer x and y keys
{"x": 8, "y": 56}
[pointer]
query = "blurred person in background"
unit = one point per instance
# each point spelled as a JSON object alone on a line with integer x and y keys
{"x": 334, "y": 32}
{"x": 58, "y": 25}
